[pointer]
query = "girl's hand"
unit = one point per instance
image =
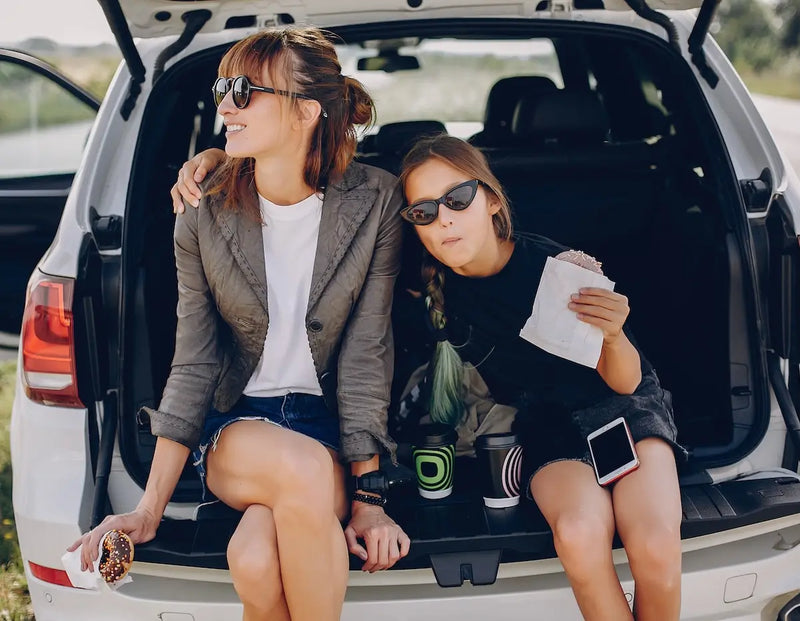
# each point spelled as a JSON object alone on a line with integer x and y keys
{"x": 140, "y": 525}
{"x": 603, "y": 308}
{"x": 385, "y": 541}
{"x": 192, "y": 173}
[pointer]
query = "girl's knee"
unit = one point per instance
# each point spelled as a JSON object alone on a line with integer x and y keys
{"x": 582, "y": 540}
{"x": 655, "y": 554}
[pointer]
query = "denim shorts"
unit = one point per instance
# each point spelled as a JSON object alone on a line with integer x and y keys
{"x": 550, "y": 439}
{"x": 300, "y": 412}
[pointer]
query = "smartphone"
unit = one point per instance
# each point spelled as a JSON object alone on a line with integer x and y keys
{"x": 613, "y": 453}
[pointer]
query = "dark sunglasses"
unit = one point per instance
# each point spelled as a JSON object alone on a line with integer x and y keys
{"x": 457, "y": 199}
{"x": 242, "y": 88}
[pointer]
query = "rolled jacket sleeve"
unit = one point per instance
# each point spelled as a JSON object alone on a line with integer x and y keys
{"x": 366, "y": 359}
{"x": 196, "y": 363}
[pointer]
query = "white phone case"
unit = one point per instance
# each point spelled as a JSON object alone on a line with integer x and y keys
{"x": 606, "y": 478}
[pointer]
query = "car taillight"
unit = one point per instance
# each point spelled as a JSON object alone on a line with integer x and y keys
{"x": 48, "y": 344}
{"x": 49, "y": 574}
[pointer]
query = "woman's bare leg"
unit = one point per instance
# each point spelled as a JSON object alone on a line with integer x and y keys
{"x": 255, "y": 566}
{"x": 580, "y": 515}
{"x": 647, "y": 507}
{"x": 256, "y": 463}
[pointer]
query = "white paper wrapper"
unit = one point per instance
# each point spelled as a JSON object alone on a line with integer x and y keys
{"x": 86, "y": 579}
{"x": 556, "y": 329}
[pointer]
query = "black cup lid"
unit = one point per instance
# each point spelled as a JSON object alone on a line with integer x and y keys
{"x": 496, "y": 440}
{"x": 437, "y": 434}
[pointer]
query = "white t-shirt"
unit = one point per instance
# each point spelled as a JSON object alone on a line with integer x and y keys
{"x": 290, "y": 245}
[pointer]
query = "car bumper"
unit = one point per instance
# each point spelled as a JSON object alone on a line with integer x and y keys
{"x": 738, "y": 575}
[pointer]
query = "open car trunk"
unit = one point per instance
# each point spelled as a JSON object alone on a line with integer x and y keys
{"x": 656, "y": 200}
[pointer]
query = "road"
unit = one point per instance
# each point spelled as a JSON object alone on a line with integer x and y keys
{"x": 781, "y": 116}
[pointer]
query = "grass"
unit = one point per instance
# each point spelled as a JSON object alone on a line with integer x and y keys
{"x": 15, "y": 604}
{"x": 780, "y": 79}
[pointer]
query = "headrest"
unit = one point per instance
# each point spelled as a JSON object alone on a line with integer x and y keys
{"x": 564, "y": 116}
{"x": 506, "y": 93}
{"x": 397, "y": 137}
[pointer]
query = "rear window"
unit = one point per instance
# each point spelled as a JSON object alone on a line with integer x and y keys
{"x": 453, "y": 79}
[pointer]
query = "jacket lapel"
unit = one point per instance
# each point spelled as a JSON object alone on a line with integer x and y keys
{"x": 246, "y": 243}
{"x": 345, "y": 207}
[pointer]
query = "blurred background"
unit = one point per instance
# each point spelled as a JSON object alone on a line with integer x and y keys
{"x": 761, "y": 37}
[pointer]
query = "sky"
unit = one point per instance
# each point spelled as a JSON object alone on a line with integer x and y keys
{"x": 74, "y": 22}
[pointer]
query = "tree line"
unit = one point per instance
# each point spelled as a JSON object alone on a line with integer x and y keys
{"x": 758, "y": 34}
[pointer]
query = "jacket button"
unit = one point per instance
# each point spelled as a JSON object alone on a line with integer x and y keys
{"x": 315, "y": 325}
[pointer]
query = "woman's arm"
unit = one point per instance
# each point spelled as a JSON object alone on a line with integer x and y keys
{"x": 366, "y": 358}
{"x": 619, "y": 364}
{"x": 141, "y": 523}
{"x": 366, "y": 363}
{"x": 168, "y": 461}
{"x": 197, "y": 360}
{"x": 187, "y": 396}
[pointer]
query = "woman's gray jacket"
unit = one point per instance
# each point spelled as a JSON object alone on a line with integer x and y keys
{"x": 223, "y": 315}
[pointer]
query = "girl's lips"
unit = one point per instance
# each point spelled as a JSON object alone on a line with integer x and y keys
{"x": 450, "y": 241}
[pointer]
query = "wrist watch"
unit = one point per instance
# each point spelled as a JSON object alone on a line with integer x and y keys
{"x": 374, "y": 482}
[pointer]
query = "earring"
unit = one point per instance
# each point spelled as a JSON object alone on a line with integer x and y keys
{"x": 324, "y": 114}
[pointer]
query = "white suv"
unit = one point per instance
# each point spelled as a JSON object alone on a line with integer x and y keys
{"x": 625, "y": 133}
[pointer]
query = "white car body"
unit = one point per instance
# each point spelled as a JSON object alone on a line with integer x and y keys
{"x": 740, "y": 574}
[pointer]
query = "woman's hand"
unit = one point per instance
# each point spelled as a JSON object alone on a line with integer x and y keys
{"x": 140, "y": 525}
{"x": 603, "y": 308}
{"x": 385, "y": 541}
{"x": 192, "y": 173}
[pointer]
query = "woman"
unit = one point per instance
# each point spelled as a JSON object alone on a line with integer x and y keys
{"x": 285, "y": 278}
{"x": 481, "y": 281}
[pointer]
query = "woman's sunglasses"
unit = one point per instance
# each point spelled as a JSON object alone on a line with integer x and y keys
{"x": 242, "y": 88}
{"x": 457, "y": 199}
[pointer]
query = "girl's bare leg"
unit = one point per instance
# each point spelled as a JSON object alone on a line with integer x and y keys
{"x": 256, "y": 463}
{"x": 647, "y": 507}
{"x": 580, "y": 515}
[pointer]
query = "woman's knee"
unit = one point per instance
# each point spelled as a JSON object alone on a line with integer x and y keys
{"x": 307, "y": 469}
{"x": 255, "y": 566}
{"x": 582, "y": 540}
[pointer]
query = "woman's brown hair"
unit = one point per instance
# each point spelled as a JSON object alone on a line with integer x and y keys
{"x": 446, "y": 368}
{"x": 301, "y": 60}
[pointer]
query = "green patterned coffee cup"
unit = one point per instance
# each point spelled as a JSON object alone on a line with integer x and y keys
{"x": 434, "y": 460}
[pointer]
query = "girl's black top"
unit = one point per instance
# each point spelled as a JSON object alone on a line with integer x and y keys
{"x": 484, "y": 319}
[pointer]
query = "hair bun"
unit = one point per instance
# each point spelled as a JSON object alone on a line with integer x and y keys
{"x": 360, "y": 105}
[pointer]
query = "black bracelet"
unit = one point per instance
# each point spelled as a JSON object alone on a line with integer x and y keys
{"x": 378, "y": 501}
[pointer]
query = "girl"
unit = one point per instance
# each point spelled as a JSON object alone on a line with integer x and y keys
{"x": 285, "y": 278}
{"x": 481, "y": 282}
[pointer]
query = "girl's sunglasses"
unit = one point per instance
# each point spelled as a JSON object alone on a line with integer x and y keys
{"x": 242, "y": 88}
{"x": 457, "y": 199}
